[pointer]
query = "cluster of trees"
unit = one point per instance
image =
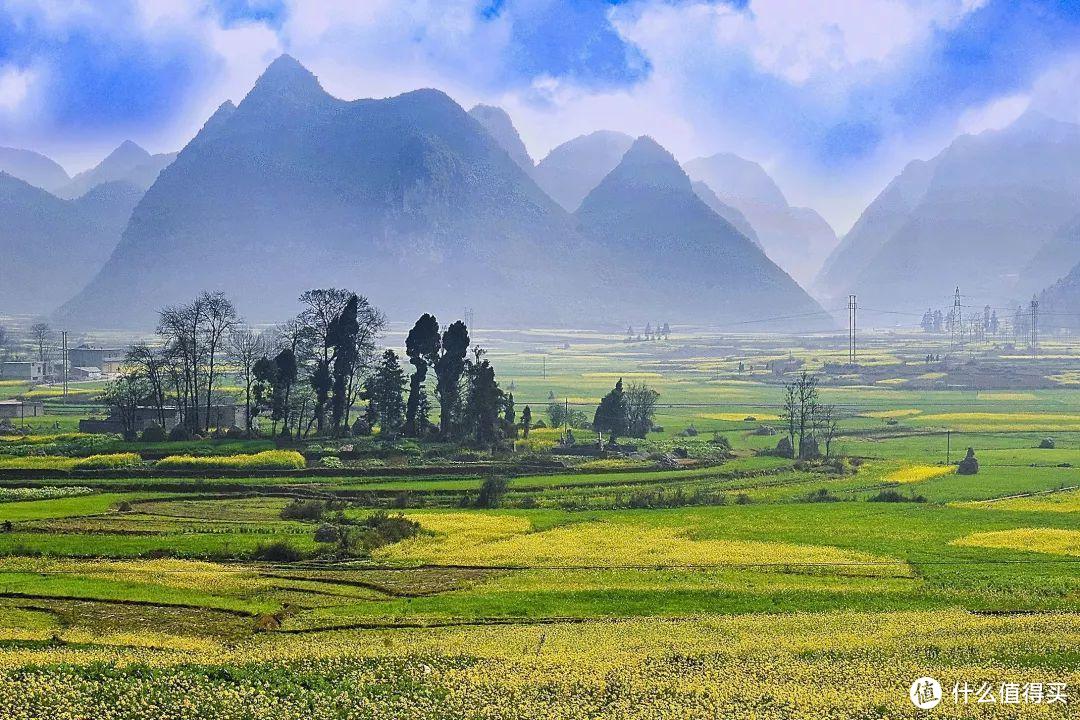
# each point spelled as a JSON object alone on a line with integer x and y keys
{"x": 662, "y": 332}
{"x": 41, "y": 341}
{"x": 626, "y": 412}
{"x": 472, "y": 406}
{"x": 809, "y": 424}
{"x": 306, "y": 372}
{"x": 976, "y": 326}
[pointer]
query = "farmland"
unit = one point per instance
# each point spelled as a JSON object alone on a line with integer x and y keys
{"x": 678, "y": 580}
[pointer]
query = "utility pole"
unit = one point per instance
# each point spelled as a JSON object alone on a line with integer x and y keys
{"x": 545, "y": 366}
{"x": 469, "y": 317}
{"x": 64, "y": 361}
{"x": 948, "y": 447}
{"x": 1034, "y": 329}
{"x": 958, "y": 320}
{"x": 852, "y": 306}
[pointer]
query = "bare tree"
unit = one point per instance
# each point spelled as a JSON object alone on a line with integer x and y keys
{"x": 246, "y": 347}
{"x": 182, "y": 328}
{"x": 124, "y": 395}
{"x": 827, "y": 425}
{"x": 807, "y": 394}
{"x": 3, "y": 342}
{"x": 640, "y": 409}
{"x": 151, "y": 364}
{"x": 221, "y": 318}
{"x": 41, "y": 335}
{"x": 790, "y": 412}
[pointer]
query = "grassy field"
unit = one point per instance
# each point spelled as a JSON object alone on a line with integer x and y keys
{"x": 748, "y": 586}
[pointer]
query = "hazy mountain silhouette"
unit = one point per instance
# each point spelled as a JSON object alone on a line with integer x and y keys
{"x": 33, "y": 168}
{"x": 52, "y": 247}
{"x": 798, "y": 239}
{"x": 988, "y": 214}
{"x": 681, "y": 258}
{"x": 128, "y": 163}
{"x": 732, "y": 215}
{"x": 879, "y": 221}
{"x": 501, "y": 127}
{"x": 573, "y": 169}
{"x": 407, "y": 199}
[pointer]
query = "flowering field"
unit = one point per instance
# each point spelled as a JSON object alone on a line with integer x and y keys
{"x": 833, "y": 665}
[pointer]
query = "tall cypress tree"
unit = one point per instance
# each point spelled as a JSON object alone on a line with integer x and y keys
{"x": 422, "y": 347}
{"x": 448, "y": 370}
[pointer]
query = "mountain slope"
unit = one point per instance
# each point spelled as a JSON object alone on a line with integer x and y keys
{"x": 501, "y": 127}
{"x": 32, "y": 168}
{"x": 732, "y": 215}
{"x": 52, "y": 247}
{"x": 128, "y": 163}
{"x": 988, "y": 207}
{"x": 798, "y": 239}
{"x": 406, "y": 199}
{"x": 574, "y": 168}
{"x": 881, "y": 219}
{"x": 680, "y": 259}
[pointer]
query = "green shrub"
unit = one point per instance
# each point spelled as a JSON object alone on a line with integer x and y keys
{"x": 1047, "y": 443}
{"x": 303, "y": 510}
{"x": 821, "y": 495}
{"x": 333, "y": 462}
{"x": 265, "y": 460}
{"x": 153, "y": 433}
{"x": 380, "y": 528}
{"x": 179, "y": 434}
{"x": 115, "y": 461}
{"x": 891, "y": 496}
{"x": 277, "y": 551}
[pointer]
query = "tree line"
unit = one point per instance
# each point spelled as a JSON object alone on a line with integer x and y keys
{"x": 309, "y": 374}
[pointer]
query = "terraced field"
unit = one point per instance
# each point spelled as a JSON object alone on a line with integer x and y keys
{"x": 741, "y": 585}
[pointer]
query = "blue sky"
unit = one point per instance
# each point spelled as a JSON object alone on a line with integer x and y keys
{"x": 832, "y": 96}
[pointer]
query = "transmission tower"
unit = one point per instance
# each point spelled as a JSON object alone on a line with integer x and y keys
{"x": 1034, "y": 329}
{"x": 852, "y": 306}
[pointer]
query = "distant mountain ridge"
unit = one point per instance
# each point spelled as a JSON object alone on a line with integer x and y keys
{"x": 414, "y": 202}
{"x": 408, "y": 199}
{"x": 573, "y": 169}
{"x": 33, "y": 168}
{"x": 501, "y": 127}
{"x": 52, "y": 247}
{"x": 697, "y": 264}
{"x": 797, "y": 239}
{"x": 128, "y": 163}
{"x": 990, "y": 214}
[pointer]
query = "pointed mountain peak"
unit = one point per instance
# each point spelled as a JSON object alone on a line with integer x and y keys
{"x": 498, "y": 124}
{"x": 648, "y": 164}
{"x": 128, "y": 151}
{"x": 287, "y": 76}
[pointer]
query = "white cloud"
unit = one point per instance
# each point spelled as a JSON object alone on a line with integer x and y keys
{"x": 15, "y": 85}
{"x": 994, "y": 115}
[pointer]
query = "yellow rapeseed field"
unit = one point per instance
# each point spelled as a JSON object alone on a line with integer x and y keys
{"x": 1064, "y": 502}
{"x": 1044, "y": 540}
{"x": 833, "y": 666}
{"x": 918, "y": 473}
{"x": 502, "y": 540}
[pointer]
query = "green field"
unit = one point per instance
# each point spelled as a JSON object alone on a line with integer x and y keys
{"x": 675, "y": 582}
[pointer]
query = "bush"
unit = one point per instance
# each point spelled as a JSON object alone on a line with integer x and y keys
{"x": 784, "y": 448}
{"x": 108, "y": 462}
{"x": 265, "y": 460}
{"x": 303, "y": 510}
{"x": 333, "y": 462}
{"x": 491, "y": 492}
{"x": 179, "y": 434}
{"x": 381, "y": 528}
{"x": 153, "y": 433}
{"x": 721, "y": 441}
{"x": 969, "y": 465}
{"x": 327, "y": 533}
{"x": 822, "y": 495}
{"x": 277, "y": 551}
{"x": 891, "y": 496}
{"x": 1047, "y": 443}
